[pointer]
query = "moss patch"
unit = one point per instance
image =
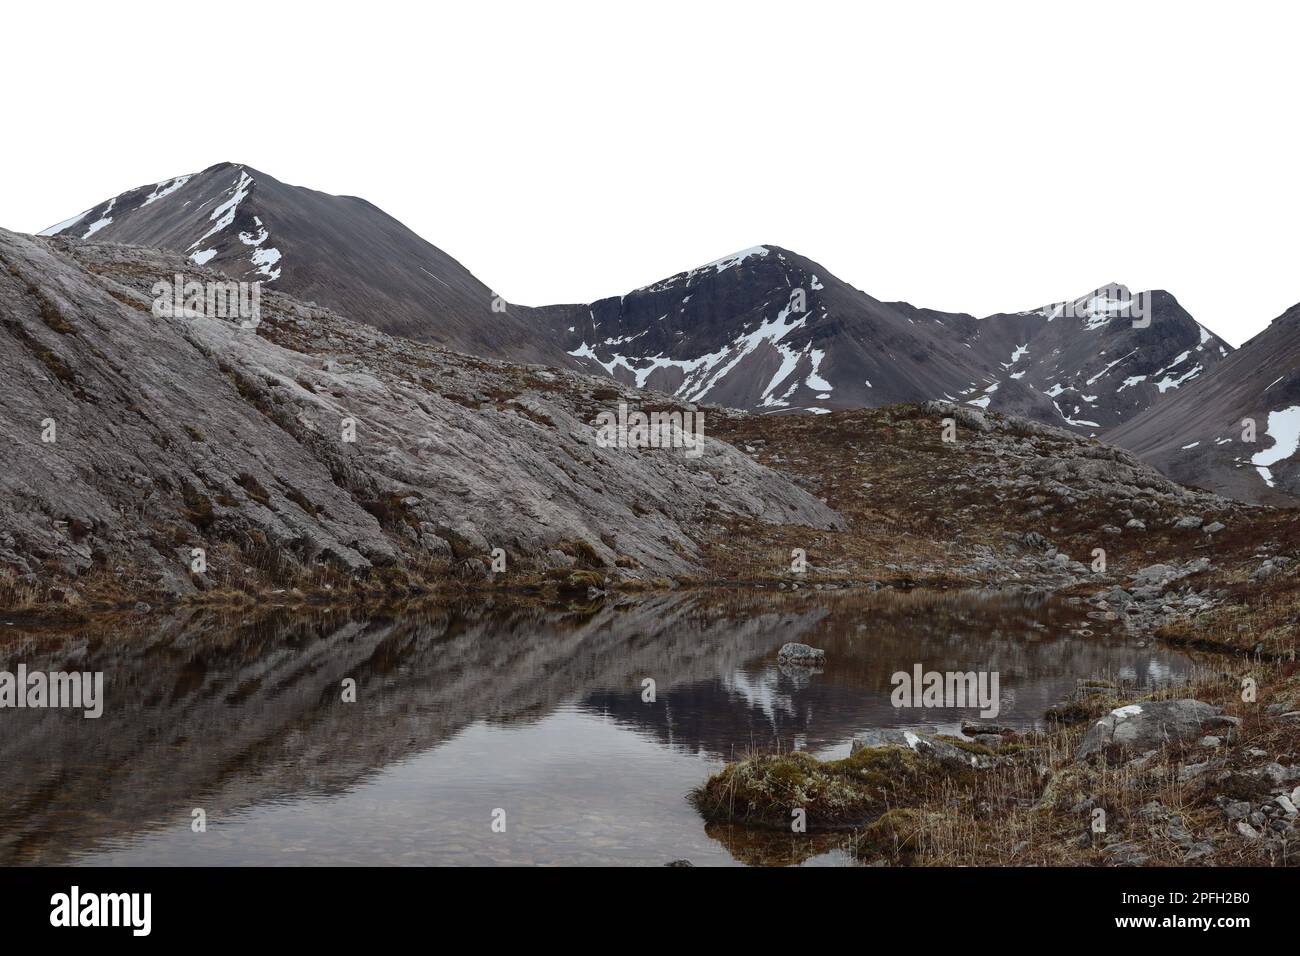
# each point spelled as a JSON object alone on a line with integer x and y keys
{"x": 253, "y": 488}
{"x": 764, "y": 790}
{"x": 896, "y": 835}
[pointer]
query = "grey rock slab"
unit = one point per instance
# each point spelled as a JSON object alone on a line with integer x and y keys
{"x": 1148, "y": 725}
{"x": 205, "y": 432}
{"x": 943, "y": 751}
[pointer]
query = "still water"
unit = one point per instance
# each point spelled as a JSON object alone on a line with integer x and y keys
{"x": 493, "y": 711}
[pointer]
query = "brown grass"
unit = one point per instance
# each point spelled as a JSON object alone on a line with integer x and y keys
{"x": 1036, "y": 807}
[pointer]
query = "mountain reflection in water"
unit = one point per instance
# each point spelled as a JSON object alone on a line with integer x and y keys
{"x": 465, "y": 710}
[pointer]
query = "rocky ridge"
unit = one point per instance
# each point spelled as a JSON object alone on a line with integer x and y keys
{"x": 175, "y": 434}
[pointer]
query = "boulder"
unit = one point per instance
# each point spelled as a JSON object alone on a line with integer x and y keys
{"x": 1270, "y": 567}
{"x": 1150, "y": 725}
{"x": 801, "y": 654}
{"x": 1035, "y": 540}
{"x": 945, "y": 752}
{"x": 974, "y": 728}
{"x": 1162, "y": 575}
{"x": 1155, "y": 575}
{"x": 1118, "y": 596}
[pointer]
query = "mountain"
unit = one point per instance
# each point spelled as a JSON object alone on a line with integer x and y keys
{"x": 767, "y": 330}
{"x": 309, "y": 445}
{"x": 339, "y": 251}
{"x": 1092, "y": 359}
{"x": 770, "y": 331}
{"x": 1200, "y": 436}
{"x": 764, "y": 330}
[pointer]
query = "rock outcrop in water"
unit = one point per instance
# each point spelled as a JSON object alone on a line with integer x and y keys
{"x": 801, "y": 655}
{"x": 133, "y": 440}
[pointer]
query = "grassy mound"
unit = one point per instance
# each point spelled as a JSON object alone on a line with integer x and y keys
{"x": 895, "y": 836}
{"x": 765, "y": 789}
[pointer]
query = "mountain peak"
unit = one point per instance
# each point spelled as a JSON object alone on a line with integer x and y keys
{"x": 205, "y": 214}
{"x": 761, "y": 328}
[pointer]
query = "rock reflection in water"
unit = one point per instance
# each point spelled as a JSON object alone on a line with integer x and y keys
{"x": 463, "y": 710}
{"x": 1032, "y": 644}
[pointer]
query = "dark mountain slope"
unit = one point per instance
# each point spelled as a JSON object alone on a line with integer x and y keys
{"x": 1199, "y": 435}
{"x": 1095, "y": 363}
{"x": 340, "y": 251}
{"x": 764, "y": 330}
{"x": 771, "y": 331}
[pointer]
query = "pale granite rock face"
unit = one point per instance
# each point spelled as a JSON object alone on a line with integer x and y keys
{"x": 174, "y": 434}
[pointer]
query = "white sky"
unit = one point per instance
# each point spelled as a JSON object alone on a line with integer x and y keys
{"x": 978, "y": 157}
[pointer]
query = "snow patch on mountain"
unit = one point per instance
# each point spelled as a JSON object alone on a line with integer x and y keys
{"x": 772, "y": 331}
{"x": 264, "y": 259}
{"x": 1169, "y": 382}
{"x": 165, "y": 188}
{"x": 639, "y": 374}
{"x": 1100, "y": 309}
{"x": 703, "y": 373}
{"x": 814, "y": 379}
{"x": 224, "y": 214}
{"x": 1284, "y": 428}
{"x": 66, "y": 224}
{"x": 1093, "y": 380}
{"x": 735, "y": 259}
{"x": 622, "y": 339}
{"x": 1075, "y": 421}
{"x": 716, "y": 266}
{"x": 102, "y": 221}
{"x": 789, "y": 362}
{"x": 248, "y": 239}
